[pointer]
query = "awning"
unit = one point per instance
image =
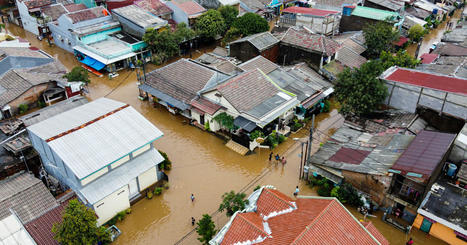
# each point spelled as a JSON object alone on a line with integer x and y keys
{"x": 169, "y": 99}
{"x": 244, "y": 123}
{"x": 92, "y": 63}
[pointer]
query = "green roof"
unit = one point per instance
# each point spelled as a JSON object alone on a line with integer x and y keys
{"x": 375, "y": 14}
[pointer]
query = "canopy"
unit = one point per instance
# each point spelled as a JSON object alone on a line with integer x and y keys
{"x": 244, "y": 123}
{"x": 92, "y": 63}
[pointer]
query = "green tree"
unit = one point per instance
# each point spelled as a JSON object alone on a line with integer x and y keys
{"x": 79, "y": 74}
{"x": 166, "y": 164}
{"x": 183, "y": 33}
{"x": 233, "y": 202}
{"x": 360, "y": 91}
{"x": 225, "y": 120}
{"x": 379, "y": 37}
{"x": 231, "y": 35}
{"x": 206, "y": 229}
{"x": 229, "y": 13}
{"x": 401, "y": 59}
{"x": 79, "y": 226}
{"x": 163, "y": 44}
{"x": 251, "y": 23}
{"x": 416, "y": 32}
{"x": 210, "y": 24}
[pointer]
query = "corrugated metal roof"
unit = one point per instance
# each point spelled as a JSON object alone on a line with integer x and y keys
{"x": 424, "y": 154}
{"x": 309, "y": 11}
{"x": 375, "y": 14}
{"x": 121, "y": 176}
{"x": 13, "y": 232}
{"x": 98, "y": 144}
{"x": 261, "y": 41}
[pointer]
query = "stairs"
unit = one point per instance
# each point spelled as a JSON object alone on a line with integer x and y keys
{"x": 234, "y": 146}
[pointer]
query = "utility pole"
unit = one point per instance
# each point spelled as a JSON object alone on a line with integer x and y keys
{"x": 310, "y": 139}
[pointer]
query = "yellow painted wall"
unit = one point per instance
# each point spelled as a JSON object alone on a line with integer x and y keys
{"x": 440, "y": 231}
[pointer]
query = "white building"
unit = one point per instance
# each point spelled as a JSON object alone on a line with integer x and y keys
{"x": 102, "y": 150}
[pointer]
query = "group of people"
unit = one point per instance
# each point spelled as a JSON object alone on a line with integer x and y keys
{"x": 277, "y": 157}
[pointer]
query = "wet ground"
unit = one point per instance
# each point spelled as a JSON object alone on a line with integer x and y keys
{"x": 435, "y": 35}
{"x": 202, "y": 165}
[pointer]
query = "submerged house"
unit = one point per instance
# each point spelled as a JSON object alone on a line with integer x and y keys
{"x": 272, "y": 217}
{"x": 319, "y": 21}
{"x": 355, "y": 18}
{"x": 264, "y": 44}
{"x": 29, "y": 12}
{"x": 186, "y": 11}
{"x": 103, "y": 151}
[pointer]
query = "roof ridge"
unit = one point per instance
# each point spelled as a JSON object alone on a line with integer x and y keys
{"x": 251, "y": 223}
{"x": 16, "y": 72}
{"x": 277, "y": 196}
{"x": 307, "y": 227}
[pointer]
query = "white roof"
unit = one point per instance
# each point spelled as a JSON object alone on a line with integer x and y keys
{"x": 13, "y": 232}
{"x": 94, "y": 146}
{"x": 121, "y": 176}
{"x": 107, "y": 48}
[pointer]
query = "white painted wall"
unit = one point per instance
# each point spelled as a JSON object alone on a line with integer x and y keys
{"x": 29, "y": 22}
{"x": 109, "y": 206}
{"x": 147, "y": 178}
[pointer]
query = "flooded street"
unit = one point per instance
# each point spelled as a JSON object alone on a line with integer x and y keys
{"x": 202, "y": 165}
{"x": 435, "y": 35}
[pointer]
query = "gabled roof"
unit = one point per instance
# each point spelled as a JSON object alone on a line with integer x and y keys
{"x": 205, "y": 106}
{"x": 54, "y": 10}
{"x": 87, "y": 14}
{"x": 259, "y": 62}
{"x": 190, "y": 7}
{"x": 261, "y": 41}
{"x": 139, "y": 16}
{"x": 309, "y": 11}
{"x": 424, "y": 154}
{"x": 450, "y": 49}
{"x": 156, "y": 7}
{"x": 417, "y": 12}
{"x": 349, "y": 58}
{"x": 426, "y": 80}
{"x": 310, "y": 42}
{"x": 394, "y": 5}
{"x": 37, "y": 3}
{"x": 26, "y": 195}
{"x": 309, "y": 220}
{"x": 94, "y": 135}
{"x": 75, "y": 7}
{"x": 375, "y": 14}
{"x": 374, "y": 231}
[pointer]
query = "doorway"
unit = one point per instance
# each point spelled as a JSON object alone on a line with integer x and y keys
{"x": 133, "y": 186}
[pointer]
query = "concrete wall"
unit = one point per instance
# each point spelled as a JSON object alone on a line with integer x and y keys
{"x": 30, "y": 97}
{"x": 29, "y": 22}
{"x": 440, "y": 231}
{"x": 147, "y": 178}
{"x": 178, "y": 15}
{"x": 318, "y": 24}
{"x": 289, "y": 55}
{"x": 109, "y": 206}
{"x": 409, "y": 97}
{"x": 375, "y": 185}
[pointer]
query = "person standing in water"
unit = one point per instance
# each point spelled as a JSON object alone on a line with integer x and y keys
{"x": 295, "y": 193}
{"x": 192, "y": 197}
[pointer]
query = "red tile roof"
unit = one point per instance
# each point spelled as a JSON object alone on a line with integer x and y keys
{"x": 37, "y": 3}
{"x": 87, "y": 14}
{"x": 40, "y": 229}
{"x": 401, "y": 41}
{"x": 309, "y": 11}
{"x": 428, "y": 58}
{"x": 348, "y": 155}
{"x": 428, "y": 80}
{"x": 309, "y": 41}
{"x": 315, "y": 221}
{"x": 190, "y": 7}
{"x": 424, "y": 153}
{"x": 75, "y": 7}
{"x": 272, "y": 201}
{"x": 156, "y": 7}
{"x": 372, "y": 229}
{"x": 205, "y": 106}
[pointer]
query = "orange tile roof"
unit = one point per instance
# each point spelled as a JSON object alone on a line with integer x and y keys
{"x": 315, "y": 221}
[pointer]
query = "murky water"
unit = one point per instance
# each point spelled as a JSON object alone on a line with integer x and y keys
{"x": 435, "y": 35}
{"x": 202, "y": 165}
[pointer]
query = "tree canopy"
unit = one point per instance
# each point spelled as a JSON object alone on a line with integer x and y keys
{"x": 183, "y": 33}
{"x": 416, "y": 32}
{"x": 229, "y": 13}
{"x": 360, "y": 91}
{"x": 206, "y": 229}
{"x": 233, "y": 202}
{"x": 379, "y": 37}
{"x": 163, "y": 44}
{"x": 210, "y": 24}
{"x": 79, "y": 226}
{"x": 77, "y": 74}
{"x": 251, "y": 23}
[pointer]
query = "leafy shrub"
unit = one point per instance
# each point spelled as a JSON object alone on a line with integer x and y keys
{"x": 207, "y": 127}
{"x": 257, "y": 188}
{"x": 158, "y": 191}
{"x": 272, "y": 140}
{"x": 121, "y": 215}
{"x": 335, "y": 192}
{"x": 23, "y": 108}
{"x": 166, "y": 186}
{"x": 166, "y": 164}
{"x": 324, "y": 190}
{"x": 327, "y": 106}
{"x": 149, "y": 194}
{"x": 282, "y": 138}
{"x": 128, "y": 211}
{"x": 41, "y": 104}
{"x": 255, "y": 134}
{"x": 225, "y": 120}
{"x": 348, "y": 194}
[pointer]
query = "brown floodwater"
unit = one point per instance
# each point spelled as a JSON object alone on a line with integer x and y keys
{"x": 202, "y": 165}
{"x": 435, "y": 35}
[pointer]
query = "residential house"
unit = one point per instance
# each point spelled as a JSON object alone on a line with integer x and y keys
{"x": 416, "y": 12}
{"x": 253, "y": 6}
{"x": 176, "y": 85}
{"x": 450, "y": 49}
{"x": 51, "y": 13}
{"x": 113, "y": 4}
{"x": 272, "y": 217}
{"x": 458, "y": 35}
{"x": 136, "y": 20}
{"x": 454, "y": 66}
{"x": 417, "y": 169}
{"x": 27, "y": 76}
{"x": 356, "y": 18}
{"x": 443, "y": 213}
{"x": 221, "y": 63}
{"x": 317, "y": 20}
{"x": 410, "y": 21}
{"x": 155, "y": 7}
{"x": 361, "y": 158}
{"x": 309, "y": 87}
{"x": 333, "y": 5}
{"x": 264, "y": 44}
{"x": 23, "y": 198}
{"x": 255, "y": 102}
{"x": 436, "y": 11}
{"x": 29, "y": 12}
{"x": 389, "y": 5}
{"x": 103, "y": 151}
{"x": 185, "y": 11}
{"x": 409, "y": 89}
{"x": 300, "y": 45}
